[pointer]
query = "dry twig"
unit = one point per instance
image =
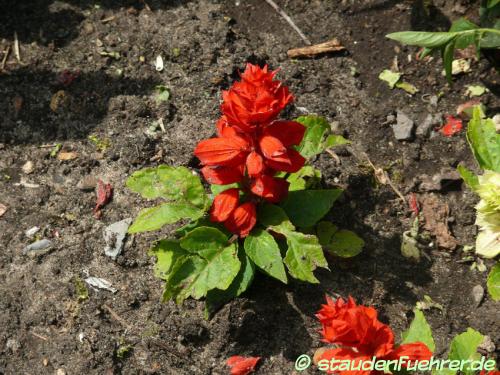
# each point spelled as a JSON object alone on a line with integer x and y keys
{"x": 332, "y": 45}
{"x": 117, "y": 317}
{"x": 289, "y": 20}
{"x": 16, "y": 47}
{"x": 5, "y": 57}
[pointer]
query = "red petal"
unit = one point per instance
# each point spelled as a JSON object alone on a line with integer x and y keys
{"x": 296, "y": 162}
{"x": 290, "y": 133}
{"x": 221, "y": 151}
{"x": 224, "y": 205}
{"x": 272, "y": 189}
{"x": 242, "y": 365}
{"x": 223, "y": 128}
{"x": 242, "y": 220}
{"x": 416, "y": 351}
{"x": 104, "y": 195}
{"x": 218, "y": 175}
{"x": 273, "y": 149}
{"x": 255, "y": 164}
{"x": 452, "y": 126}
{"x": 340, "y": 354}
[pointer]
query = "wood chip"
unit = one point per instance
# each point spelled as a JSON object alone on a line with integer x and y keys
{"x": 436, "y": 215}
{"x": 67, "y": 155}
{"x": 332, "y": 45}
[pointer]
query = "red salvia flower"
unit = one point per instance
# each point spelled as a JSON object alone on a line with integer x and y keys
{"x": 242, "y": 365}
{"x": 453, "y": 125}
{"x": 250, "y": 148}
{"x": 361, "y": 336}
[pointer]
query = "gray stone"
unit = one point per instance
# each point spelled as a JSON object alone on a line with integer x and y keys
{"x": 403, "y": 128}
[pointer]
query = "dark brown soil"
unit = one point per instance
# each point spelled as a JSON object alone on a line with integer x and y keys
{"x": 204, "y": 44}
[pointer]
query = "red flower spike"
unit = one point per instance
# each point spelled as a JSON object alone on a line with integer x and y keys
{"x": 242, "y": 365}
{"x": 453, "y": 125}
{"x": 272, "y": 189}
{"x": 415, "y": 351}
{"x": 273, "y": 149}
{"x": 296, "y": 162}
{"x": 224, "y": 204}
{"x": 256, "y": 75}
{"x": 242, "y": 220}
{"x": 219, "y": 175}
{"x": 223, "y": 128}
{"x": 290, "y": 133}
{"x": 222, "y": 151}
{"x": 255, "y": 164}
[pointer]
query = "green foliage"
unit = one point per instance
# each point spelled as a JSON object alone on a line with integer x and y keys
{"x": 484, "y": 141}
{"x": 468, "y": 176}
{"x": 307, "y": 177}
{"x": 162, "y": 93}
{"x": 462, "y": 34}
{"x": 493, "y": 282}
{"x": 306, "y": 207}
{"x": 419, "y": 331}
{"x": 390, "y": 77}
{"x": 342, "y": 243}
{"x": 82, "y": 293}
{"x": 464, "y": 347}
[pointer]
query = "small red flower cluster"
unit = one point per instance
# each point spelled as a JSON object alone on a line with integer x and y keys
{"x": 361, "y": 336}
{"x": 251, "y": 147}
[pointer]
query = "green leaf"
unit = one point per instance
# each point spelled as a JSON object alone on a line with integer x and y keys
{"x": 303, "y": 256}
{"x": 325, "y": 231}
{"x": 464, "y": 347}
{"x": 448, "y": 59}
{"x": 484, "y": 141}
{"x": 170, "y": 183}
{"x": 390, "y": 77}
{"x": 334, "y": 140}
{"x": 154, "y": 218}
{"x": 493, "y": 282}
{"x": 216, "y": 297}
{"x": 306, "y": 177}
{"x": 274, "y": 217}
{"x": 419, "y": 331}
{"x": 195, "y": 276}
{"x": 306, "y": 207}
{"x": 475, "y": 90}
{"x": 263, "y": 250}
{"x": 408, "y": 87}
{"x": 490, "y": 38}
{"x": 462, "y": 24}
{"x": 317, "y": 128}
{"x": 168, "y": 253}
{"x": 469, "y": 177}
{"x": 162, "y": 93}
{"x": 217, "y": 189}
{"x": 422, "y": 38}
{"x": 345, "y": 244}
{"x": 204, "y": 241}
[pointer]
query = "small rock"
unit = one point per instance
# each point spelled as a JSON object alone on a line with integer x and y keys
{"x": 88, "y": 183}
{"x": 440, "y": 181}
{"x": 478, "y": 294}
{"x": 28, "y": 167}
{"x": 13, "y": 345}
{"x": 99, "y": 283}
{"x": 37, "y": 246}
{"x": 31, "y": 232}
{"x": 60, "y": 371}
{"x": 424, "y": 127}
{"x": 487, "y": 345}
{"x": 114, "y": 236}
{"x": 403, "y": 128}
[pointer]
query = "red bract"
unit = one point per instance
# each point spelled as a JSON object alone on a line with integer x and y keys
{"x": 242, "y": 365}
{"x": 251, "y": 147}
{"x": 453, "y": 125}
{"x": 361, "y": 335}
{"x": 104, "y": 194}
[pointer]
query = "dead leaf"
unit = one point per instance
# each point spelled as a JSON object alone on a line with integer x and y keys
{"x": 3, "y": 209}
{"x": 435, "y": 215}
{"x": 63, "y": 155}
{"x": 104, "y": 195}
{"x": 57, "y": 99}
{"x": 332, "y": 45}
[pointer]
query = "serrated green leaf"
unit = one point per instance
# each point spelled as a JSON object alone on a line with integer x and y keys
{"x": 419, "y": 331}
{"x": 422, "y": 38}
{"x": 204, "y": 241}
{"x": 306, "y": 177}
{"x": 484, "y": 141}
{"x": 464, "y": 347}
{"x": 317, "y": 128}
{"x": 468, "y": 176}
{"x": 167, "y": 253}
{"x": 195, "y": 276}
{"x": 216, "y": 297}
{"x": 390, "y": 77}
{"x": 334, "y": 140}
{"x": 154, "y": 218}
{"x": 170, "y": 183}
{"x": 325, "y": 231}
{"x": 345, "y": 244}
{"x": 303, "y": 256}
{"x": 274, "y": 218}
{"x": 306, "y": 207}
{"x": 263, "y": 250}
{"x": 493, "y": 282}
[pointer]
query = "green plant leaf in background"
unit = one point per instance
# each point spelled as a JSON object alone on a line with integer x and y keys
{"x": 317, "y": 129}
{"x": 204, "y": 241}
{"x": 305, "y": 178}
{"x": 422, "y": 38}
{"x": 154, "y": 218}
{"x": 464, "y": 347}
{"x": 468, "y": 176}
{"x": 306, "y": 207}
{"x": 325, "y": 231}
{"x": 345, "y": 244}
{"x": 493, "y": 282}
{"x": 334, "y": 140}
{"x": 274, "y": 218}
{"x": 162, "y": 93}
{"x": 484, "y": 141}
{"x": 217, "y": 189}
{"x": 419, "y": 331}
{"x": 263, "y": 250}
{"x": 168, "y": 253}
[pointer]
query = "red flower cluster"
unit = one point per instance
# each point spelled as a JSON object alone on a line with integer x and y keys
{"x": 361, "y": 336}
{"x": 250, "y": 148}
